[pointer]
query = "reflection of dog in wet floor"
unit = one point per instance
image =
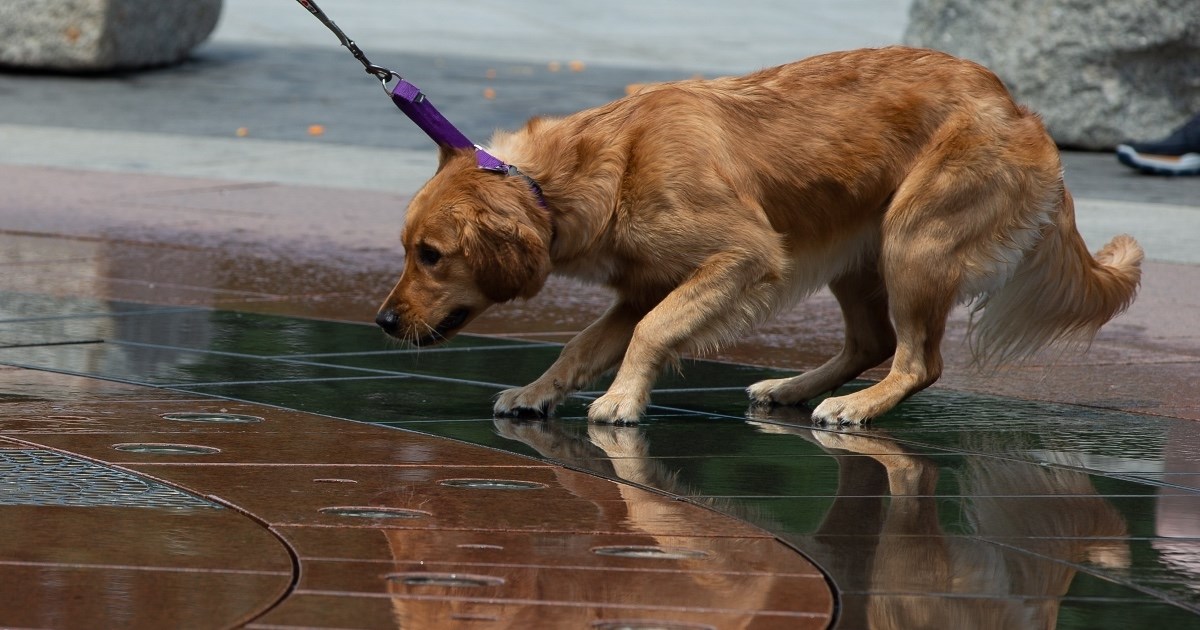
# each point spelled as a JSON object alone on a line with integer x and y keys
{"x": 610, "y": 451}
{"x": 622, "y": 453}
{"x": 888, "y": 494}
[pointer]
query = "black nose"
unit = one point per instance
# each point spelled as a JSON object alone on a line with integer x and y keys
{"x": 388, "y": 320}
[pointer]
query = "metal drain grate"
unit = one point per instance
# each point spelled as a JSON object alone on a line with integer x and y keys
{"x": 39, "y": 477}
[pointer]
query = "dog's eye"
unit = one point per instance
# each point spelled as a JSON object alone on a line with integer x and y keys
{"x": 428, "y": 256}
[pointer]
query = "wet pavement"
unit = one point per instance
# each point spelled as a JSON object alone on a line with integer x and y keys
{"x": 305, "y": 466}
{"x": 136, "y": 506}
{"x": 199, "y": 427}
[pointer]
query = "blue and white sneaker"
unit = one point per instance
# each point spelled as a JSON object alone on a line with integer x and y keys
{"x": 1177, "y": 154}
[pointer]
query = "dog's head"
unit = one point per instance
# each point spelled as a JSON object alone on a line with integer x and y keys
{"x": 472, "y": 238}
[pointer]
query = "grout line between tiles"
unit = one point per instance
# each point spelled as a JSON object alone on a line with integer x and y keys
{"x": 415, "y": 375}
{"x": 977, "y": 596}
{"x": 131, "y": 567}
{"x": 416, "y": 351}
{"x": 48, "y": 344}
{"x": 98, "y": 315}
{"x": 319, "y": 379}
{"x": 758, "y": 534}
{"x": 139, "y": 464}
{"x": 568, "y": 603}
{"x": 757, "y": 497}
{"x": 158, "y": 346}
{"x": 989, "y": 538}
{"x": 815, "y": 574}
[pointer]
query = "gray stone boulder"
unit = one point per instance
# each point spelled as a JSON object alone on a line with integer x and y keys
{"x": 99, "y": 35}
{"x": 1098, "y": 71}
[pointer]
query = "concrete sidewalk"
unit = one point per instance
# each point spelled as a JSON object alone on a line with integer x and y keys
{"x": 703, "y": 36}
{"x": 274, "y": 72}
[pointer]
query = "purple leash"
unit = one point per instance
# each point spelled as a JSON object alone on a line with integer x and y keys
{"x": 413, "y": 103}
{"x": 417, "y": 107}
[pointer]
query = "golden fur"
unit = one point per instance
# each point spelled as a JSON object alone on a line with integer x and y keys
{"x": 907, "y": 180}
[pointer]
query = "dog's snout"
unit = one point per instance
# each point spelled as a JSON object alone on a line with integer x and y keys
{"x": 388, "y": 320}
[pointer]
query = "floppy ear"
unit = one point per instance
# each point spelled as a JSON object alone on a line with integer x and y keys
{"x": 510, "y": 258}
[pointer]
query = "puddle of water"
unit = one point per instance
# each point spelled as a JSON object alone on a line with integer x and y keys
{"x": 646, "y": 624}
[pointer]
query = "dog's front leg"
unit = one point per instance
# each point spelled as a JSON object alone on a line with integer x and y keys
{"x": 590, "y": 354}
{"x": 728, "y": 293}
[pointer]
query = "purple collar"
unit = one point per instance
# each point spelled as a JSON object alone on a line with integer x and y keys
{"x": 417, "y": 107}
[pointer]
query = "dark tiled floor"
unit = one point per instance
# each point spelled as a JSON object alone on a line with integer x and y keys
{"x": 331, "y": 523}
{"x": 970, "y": 510}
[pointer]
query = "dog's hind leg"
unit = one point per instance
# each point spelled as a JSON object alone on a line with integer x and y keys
{"x": 870, "y": 340}
{"x": 590, "y": 354}
{"x": 922, "y": 284}
{"x": 958, "y": 225}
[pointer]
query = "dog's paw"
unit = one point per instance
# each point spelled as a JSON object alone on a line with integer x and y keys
{"x": 766, "y": 393}
{"x": 525, "y": 402}
{"x": 843, "y": 411}
{"x": 617, "y": 408}
{"x": 783, "y": 391}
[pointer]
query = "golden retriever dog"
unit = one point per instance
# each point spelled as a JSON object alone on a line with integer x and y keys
{"x": 906, "y": 180}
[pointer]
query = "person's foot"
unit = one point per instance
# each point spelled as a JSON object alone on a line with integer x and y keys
{"x": 1177, "y": 154}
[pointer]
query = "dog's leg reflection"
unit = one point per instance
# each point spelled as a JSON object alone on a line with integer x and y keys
{"x": 590, "y": 354}
{"x": 614, "y": 452}
{"x": 623, "y": 453}
{"x": 552, "y": 441}
{"x": 845, "y": 540}
{"x": 1055, "y": 511}
{"x": 629, "y": 451}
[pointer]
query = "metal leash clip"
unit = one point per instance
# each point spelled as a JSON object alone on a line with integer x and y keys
{"x": 410, "y": 100}
{"x": 383, "y": 74}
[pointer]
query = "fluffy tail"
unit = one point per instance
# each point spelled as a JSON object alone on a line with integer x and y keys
{"x": 1059, "y": 293}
